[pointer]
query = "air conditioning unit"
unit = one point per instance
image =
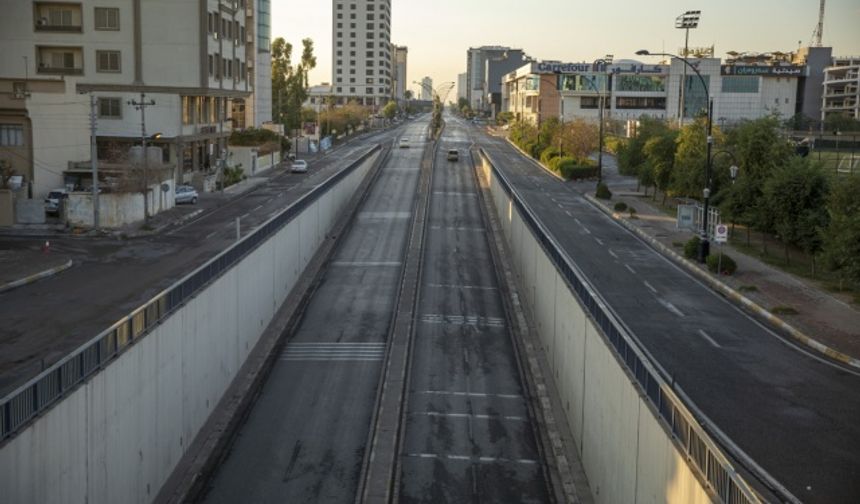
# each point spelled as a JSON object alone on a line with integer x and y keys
{"x": 42, "y": 22}
{"x": 215, "y": 34}
{"x": 250, "y": 64}
{"x": 249, "y": 12}
{"x": 250, "y": 39}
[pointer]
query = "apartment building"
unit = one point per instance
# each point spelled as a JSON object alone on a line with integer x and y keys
{"x": 361, "y": 35}
{"x": 841, "y": 94}
{"x": 185, "y": 59}
{"x": 427, "y": 89}
{"x": 485, "y": 68}
{"x": 462, "y": 82}
{"x": 400, "y": 57}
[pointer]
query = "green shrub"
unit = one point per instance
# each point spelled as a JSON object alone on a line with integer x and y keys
{"x": 603, "y": 192}
{"x": 548, "y": 155}
{"x": 632, "y": 212}
{"x": 691, "y": 248}
{"x": 573, "y": 168}
{"x": 727, "y": 265}
{"x": 621, "y": 206}
{"x": 253, "y": 137}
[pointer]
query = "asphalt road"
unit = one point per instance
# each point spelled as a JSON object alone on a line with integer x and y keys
{"x": 468, "y": 434}
{"x": 44, "y": 321}
{"x": 795, "y": 413}
{"x": 305, "y": 438}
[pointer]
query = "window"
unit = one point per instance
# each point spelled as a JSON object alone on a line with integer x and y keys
{"x": 211, "y": 65}
{"x": 640, "y": 103}
{"x": 11, "y": 135}
{"x": 187, "y": 109}
{"x": 108, "y": 61}
{"x": 641, "y": 83}
{"x": 107, "y": 18}
{"x": 110, "y": 108}
{"x": 740, "y": 84}
{"x": 589, "y": 102}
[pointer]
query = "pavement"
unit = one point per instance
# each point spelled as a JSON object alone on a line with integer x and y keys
{"x": 25, "y": 266}
{"x": 827, "y": 322}
{"x": 791, "y": 410}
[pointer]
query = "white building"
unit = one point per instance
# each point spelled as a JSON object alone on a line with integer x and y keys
{"x": 260, "y": 45}
{"x": 462, "y": 91}
{"x": 842, "y": 88}
{"x": 400, "y": 55}
{"x": 186, "y": 56}
{"x": 361, "y": 36}
{"x": 427, "y": 89}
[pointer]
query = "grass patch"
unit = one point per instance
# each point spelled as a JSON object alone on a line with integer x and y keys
{"x": 678, "y": 244}
{"x": 748, "y": 288}
{"x": 783, "y": 310}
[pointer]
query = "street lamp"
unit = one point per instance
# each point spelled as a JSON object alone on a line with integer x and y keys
{"x": 601, "y": 63}
{"x": 705, "y": 247}
{"x": 686, "y": 21}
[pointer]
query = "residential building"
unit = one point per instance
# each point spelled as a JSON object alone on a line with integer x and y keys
{"x": 485, "y": 67}
{"x": 400, "y": 56}
{"x": 260, "y": 56}
{"x": 841, "y": 83}
{"x": 185, "y": 59}
{"x": 495, "y": 68}
{"x": 427, "y": 89}
{"x": 361, "y": 36}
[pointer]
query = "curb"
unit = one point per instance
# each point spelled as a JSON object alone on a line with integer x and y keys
{"x": 733, "y": 295}
{"x": 35, "y": 277}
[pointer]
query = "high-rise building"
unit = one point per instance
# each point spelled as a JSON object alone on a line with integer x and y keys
{"x": 426, "y": 88}
{"x": 361, "y": 36}
{"x": 462, "y": 83}
{"x": 189, "y": 57}
{"x": 400, "y": 56}
{"x": 262, "y": 59}
{"x": 841, "y": 94}
{"x": 485, "y": 68}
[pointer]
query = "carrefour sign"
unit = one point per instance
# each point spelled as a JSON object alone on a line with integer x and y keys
{"x": 564, "y": 68}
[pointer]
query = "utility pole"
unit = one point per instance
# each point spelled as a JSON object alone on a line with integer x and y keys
{"x": 686, "y": 21}
{"x": 94, "y": 159}
{"x": 141, "y": 105}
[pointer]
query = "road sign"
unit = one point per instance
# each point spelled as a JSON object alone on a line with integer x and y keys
{"x": 721, "y": 233}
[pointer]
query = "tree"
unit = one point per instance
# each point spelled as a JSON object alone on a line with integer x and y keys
{"x": 578, "y": 138}
{"x": 841, "y": 245}
{"x": 688, "y": 177}
{"x": 795, "y": 196}
{"x": 659, "y": 151}
{"x": 282, "y": 72}
{"x": 390, "y": 110}
{"x": 841, "y": 123}
{"x": 290, "y": 83}
{"x": 408, "y": 94}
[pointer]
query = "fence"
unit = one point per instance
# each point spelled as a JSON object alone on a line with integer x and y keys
{"x": 704, "y": 455}
{"x": 37, "y": 395}
{"x": 839, "y": 153}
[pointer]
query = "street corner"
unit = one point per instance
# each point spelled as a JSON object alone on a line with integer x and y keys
{"x": 23, "y": 266}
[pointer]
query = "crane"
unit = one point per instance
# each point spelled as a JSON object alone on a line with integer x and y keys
{"x": 819, "y": 29}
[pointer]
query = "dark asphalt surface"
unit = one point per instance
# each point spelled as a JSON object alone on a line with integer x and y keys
{"x": 44, "y": 321}
{"x": 305, "y": 438}
{"x": 468, "y": 435}
{"x": 797, "y": 415}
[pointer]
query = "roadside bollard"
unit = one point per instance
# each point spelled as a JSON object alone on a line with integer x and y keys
{"x": 46, "y": 247}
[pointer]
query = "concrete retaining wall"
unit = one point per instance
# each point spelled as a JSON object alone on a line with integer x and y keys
{"x": 118, "y": 437}
{"x": 118, "y": 209}
{"x": 628, "y": 453}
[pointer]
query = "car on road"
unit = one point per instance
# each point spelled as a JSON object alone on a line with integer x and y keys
{"x": 52, "y": 201}
{"x": 186, "y": 194}
{"x": 404, "y": 143}
{"x": 453, "y": 155}
{"x": 300, "y": 166}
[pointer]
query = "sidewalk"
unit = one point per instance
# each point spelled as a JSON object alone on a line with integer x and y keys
{"x": 829, "y": 319}
{"x": 22, "y": 267}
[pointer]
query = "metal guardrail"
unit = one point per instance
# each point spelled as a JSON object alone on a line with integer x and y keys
{"x": 41, "y": 392}
{"x": 704, "y": 455}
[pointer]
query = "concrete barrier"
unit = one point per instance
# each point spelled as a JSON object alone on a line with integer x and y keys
{"x": 117, "y": 435}
{"x": 636, "y": 438}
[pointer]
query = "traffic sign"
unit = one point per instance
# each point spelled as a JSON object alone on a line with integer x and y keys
{"x": 721, "y": 233}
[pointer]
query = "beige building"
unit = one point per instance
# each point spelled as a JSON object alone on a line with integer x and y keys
{"x": 189, "y": 57}
{"x": 400, "y": 55}
{"x": 842, "y": 88}
{"x": 361, "y": 40}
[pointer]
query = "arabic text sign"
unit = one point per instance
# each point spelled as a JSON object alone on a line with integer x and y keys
{"x": 767, "y": 71}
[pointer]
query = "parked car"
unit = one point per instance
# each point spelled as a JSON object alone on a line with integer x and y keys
{"x": 186, "y": 194}
{"x": 300, "y": 166}
{"x": 52, "y": 201}
{"x": 404, "y": 143}
{"x": 453, "y": 155}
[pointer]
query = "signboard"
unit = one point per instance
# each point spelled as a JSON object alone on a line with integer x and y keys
{"x": 721, "y": 233}
{"x": 686, "y": 216}
{"x": 766, "y": 71}
{"x": 578, "y": 68}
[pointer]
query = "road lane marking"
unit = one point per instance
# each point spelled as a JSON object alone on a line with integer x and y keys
{"x": 453, "y": 193}
{"x": 317, "y": 352}
{"x": 560, "y": 206}
{"x": 210, "y": 235}
{"x": 385, "y": 215}
{"x": 469, "y": 458}
{"x": 471, "y": 320}
{"x": 470, "y": 394}
{"x": 650, "y": 287}
{"x": 568, "y": 213}
{"x": 709, "y": 338}
{"x": 578, "y": 221}
{"x": 257, "y": 208}
{"x": 447, "y": 228}
{"x": 631, "y": 270}
{"x": 467, "y": 415}
{"x": 612, "y": 254}
{"x": 464, "y": 287}
{"x": 243, "y": 216}
{"x": 672, "y": 308}
{"x": 367, "y": 264}
{"x": 599, "y": 241}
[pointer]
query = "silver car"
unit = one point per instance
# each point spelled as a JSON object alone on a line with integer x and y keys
{"x": 186, "y": 194}
{"x": 300, "y": 166}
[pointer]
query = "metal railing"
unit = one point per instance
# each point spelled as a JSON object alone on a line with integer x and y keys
{"x": 41, "y": 392}
{"x": 703, "y": 453}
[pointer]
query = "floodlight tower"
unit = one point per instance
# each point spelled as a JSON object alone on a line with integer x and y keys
{"x": 686, "y": 21}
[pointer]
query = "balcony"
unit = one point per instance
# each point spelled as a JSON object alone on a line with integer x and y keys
{"x": 60, "y": 60}
{"x": 57, "y": 17}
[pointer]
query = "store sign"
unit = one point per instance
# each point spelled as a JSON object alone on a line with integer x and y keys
{"x": 578, "y": 68}
{"x": 564, "y": 68}
{"x": 766, "y": 71}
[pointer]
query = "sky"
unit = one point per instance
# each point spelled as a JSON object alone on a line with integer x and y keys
{"x": 439, "y": 32}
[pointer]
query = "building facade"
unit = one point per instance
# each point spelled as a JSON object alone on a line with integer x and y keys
{"x": 185, "y": 59}
{"x": 361, "y": 36}
{"x": 485, "y": 67}
{"x": 841, "y": 92}
{"x": 427, "y": 89}
{"x": 261, "y": 57}
{"x": 400, "y": 55}
{"x": 462, "y": 82}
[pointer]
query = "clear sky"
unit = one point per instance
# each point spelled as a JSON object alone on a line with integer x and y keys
{"x": 438, "y": 32}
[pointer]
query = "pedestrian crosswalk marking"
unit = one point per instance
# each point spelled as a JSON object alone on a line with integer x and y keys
{"x": 316, "y": 352}
{"x": 472, "y": 320}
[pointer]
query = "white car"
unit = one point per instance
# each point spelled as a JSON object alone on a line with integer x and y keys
{"x": 52, "y": 201}
{"x": 404, "y": 143}
{"x": 300, "y": 166}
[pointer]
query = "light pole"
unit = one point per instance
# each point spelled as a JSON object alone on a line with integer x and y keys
{"x": 705, "y": 247}
{"x": 686, "y": 21}
{"x": 601, "y": 97}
